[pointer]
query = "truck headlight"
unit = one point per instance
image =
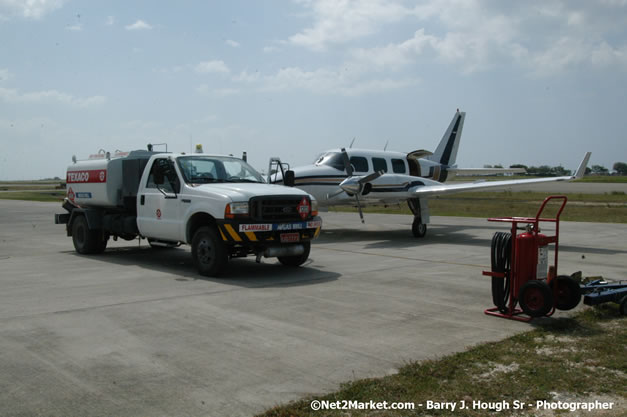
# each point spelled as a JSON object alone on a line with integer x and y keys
{"x": 237, "y": 209}
{"x": 314, "y": 207}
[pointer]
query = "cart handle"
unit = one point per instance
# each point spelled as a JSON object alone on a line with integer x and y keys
{"x": 549, "y": 198}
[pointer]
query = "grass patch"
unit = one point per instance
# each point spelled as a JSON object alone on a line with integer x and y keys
{"x": 604, "y": 208}
{"x": 46, "y": 196}
{"x": 581, "y": 359}
{"x": 604, "y": 179}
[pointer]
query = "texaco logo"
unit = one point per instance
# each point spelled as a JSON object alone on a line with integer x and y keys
{"x": 102, "y": 176}
{"x": 159, "y": 214}
{"x": 70, "y": 194}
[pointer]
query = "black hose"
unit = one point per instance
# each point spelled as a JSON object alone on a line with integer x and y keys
{"x": 500, "y": 255}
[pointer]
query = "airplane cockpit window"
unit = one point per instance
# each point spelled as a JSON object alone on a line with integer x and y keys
{"x": 332, "y": 159}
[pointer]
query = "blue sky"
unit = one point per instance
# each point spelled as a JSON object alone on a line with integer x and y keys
{"x": 542, "y": 82}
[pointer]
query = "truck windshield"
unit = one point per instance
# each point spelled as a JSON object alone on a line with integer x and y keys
{"x": 208, "y": 169}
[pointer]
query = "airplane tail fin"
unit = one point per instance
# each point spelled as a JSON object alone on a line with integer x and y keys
{"x": 446, "y": 153}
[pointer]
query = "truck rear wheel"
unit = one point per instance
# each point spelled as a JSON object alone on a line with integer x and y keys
{"x": 87, "y": 241}
{"x": 208, "y": 252}
{"x": 296, "y": 260}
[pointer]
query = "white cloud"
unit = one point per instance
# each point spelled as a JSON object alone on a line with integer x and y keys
{"x": 269, "y": 49}
{"x": 29, "y": 9}
{"x": 138, "y": 25}
{"x": 245, "y": 76}
{"x": 75, "y": 28}
{"x": 340, "y": 21}
{"x": 538, "y": 37}
{"x": 216, "y": 66}
{"x": 110, "y": 21}
{"x": 14, "y": 96}
{"x": 232, "y": 43}
{"x": 5, "y": 74}
{"x": 330, "y": 81}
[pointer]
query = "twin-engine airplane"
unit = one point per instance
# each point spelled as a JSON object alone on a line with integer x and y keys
{"x": 371, "y": 177}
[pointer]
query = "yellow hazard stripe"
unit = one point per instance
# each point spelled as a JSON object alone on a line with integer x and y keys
{"x": 232, "y": 232}
{"x": 251, "y": 236}
{"x": 222, "y": 233}
{"x": 317, "y": 232}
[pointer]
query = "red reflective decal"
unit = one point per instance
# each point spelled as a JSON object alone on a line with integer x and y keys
{"x": 92, "y": 175}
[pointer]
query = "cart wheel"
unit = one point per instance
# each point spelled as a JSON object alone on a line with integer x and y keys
{"x": 623, "y": 306}
{"x": 567, "y": 293}
{"x": 535, "y": 298}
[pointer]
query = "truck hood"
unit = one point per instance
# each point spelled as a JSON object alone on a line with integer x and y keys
{"x": 244, "y": 191}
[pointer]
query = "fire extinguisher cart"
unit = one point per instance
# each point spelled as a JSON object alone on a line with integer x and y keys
{"x": 520, "y": 271}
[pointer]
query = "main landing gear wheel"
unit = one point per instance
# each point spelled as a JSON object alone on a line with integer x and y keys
{"x": 208, "y": 252}
{"x": 296, "y": 260}
{"x": 567, "y": 293}
{"x": 623, "y": 306}
{"x": 535, "y": 298}
{"x": 418, "y": 228}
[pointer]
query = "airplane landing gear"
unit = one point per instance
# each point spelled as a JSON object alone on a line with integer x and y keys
{"x": 418, "y": 228}
{"x": 420, "y": 211}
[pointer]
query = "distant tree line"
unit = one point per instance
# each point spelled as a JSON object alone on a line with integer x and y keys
{"x": 620, "y": 168}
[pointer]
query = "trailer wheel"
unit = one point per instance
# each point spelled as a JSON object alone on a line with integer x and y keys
{"x": 535, "y": 298}
{"x": 87, "y": 241}
{"x": 208, "y": 252}
{"x": 623, "y": 306}
{"x": 567, "y": 293}
{"x": 418, "y": 228}
{"x": 296, "y": 260}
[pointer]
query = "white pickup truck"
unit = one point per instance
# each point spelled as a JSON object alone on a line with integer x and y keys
{"x": 219, "y": 205}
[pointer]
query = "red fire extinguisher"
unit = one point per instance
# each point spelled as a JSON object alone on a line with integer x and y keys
{"x": 532, "y": 257}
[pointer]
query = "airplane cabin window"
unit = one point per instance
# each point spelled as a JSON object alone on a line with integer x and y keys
{"x": 398, "y": 166}
{"x": 359, "y": 163}
{"x": 380, "y": 164}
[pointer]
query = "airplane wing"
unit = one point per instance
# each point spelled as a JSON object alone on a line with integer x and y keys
{"x": 485, "y": 171}
{"x": 441, "y": 189}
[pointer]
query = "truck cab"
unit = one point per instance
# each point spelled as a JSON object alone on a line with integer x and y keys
{"x": 218, "y": 204}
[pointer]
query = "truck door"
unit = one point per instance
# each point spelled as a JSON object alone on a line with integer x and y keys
{"x": 158, "y": 203}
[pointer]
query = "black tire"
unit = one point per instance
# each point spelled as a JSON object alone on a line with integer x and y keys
{"x": 623, "y": 306}
{"x": 297, "y": 260}
{"x": 208, "y": 252}
{"x": 87, "y": 241}
{"x": 418, "y": 228}
{"x": 500, "y": 254}
{"x": 567, "y": 293}
{"x": 536, "y": 299}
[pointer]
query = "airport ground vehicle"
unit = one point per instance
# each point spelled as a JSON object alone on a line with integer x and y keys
{"x": 219, "y": 205}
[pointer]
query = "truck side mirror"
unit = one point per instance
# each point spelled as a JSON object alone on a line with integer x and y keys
{"x": 288, "y": 179}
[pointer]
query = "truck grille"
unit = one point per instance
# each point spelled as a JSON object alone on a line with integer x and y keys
{"x": 275, "y": 208}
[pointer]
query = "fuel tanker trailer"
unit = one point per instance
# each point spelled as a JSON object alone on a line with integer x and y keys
{"x": 217, "y": 204}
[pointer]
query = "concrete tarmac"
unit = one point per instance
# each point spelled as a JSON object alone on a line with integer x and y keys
{"x": 135, "y": 331}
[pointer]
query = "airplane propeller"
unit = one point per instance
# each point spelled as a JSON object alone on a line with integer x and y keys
{"x": 354, "y": 185}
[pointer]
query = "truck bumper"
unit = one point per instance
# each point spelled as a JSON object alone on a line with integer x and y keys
{"x": 249, "y": 232}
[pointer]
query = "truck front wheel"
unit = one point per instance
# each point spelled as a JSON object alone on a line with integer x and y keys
{"x": 296, "y": 260}
{"x": 208, "y": 252}
{"x": 87, "y": 241}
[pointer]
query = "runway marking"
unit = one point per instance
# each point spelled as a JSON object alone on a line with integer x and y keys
{"x": 406, "y": 258}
